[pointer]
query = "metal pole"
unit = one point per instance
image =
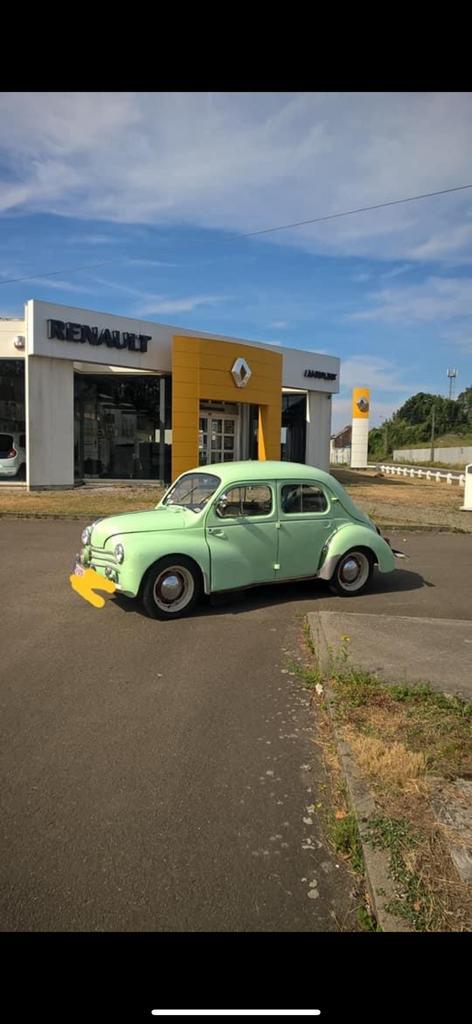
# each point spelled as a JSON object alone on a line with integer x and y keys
{"x": 433, "y": 410}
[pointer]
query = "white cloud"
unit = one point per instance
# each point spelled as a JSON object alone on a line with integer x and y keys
{"x": 451, "y": 242}
{"x": 149, "y": 303}
{"x": 370, "y": 371}
{"x": 93, "y": 239}
{"x": 151, "y": 263}
{"x": 436, "y": 298}
{"x": 403, "y": 269}
{"x": 279, "y": 324}
{"x": 241, "y": 161}
{"x": 54, "y": 282}
{"x": 161, "y": 304}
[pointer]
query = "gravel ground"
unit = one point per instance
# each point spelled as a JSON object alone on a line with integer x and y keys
{"x": 388, "y": 500}
{"x": 407, "y": 502}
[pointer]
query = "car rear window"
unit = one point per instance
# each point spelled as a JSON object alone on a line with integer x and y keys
{"x": 303, "y": 498}
{"x": 6, "y": 445}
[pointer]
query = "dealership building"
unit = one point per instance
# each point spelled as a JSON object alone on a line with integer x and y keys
{"x": 88, "y": 396}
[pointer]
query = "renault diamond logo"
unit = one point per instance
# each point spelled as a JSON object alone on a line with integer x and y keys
{"x": 363, "y": 405}
{"x": 241, "y": 373}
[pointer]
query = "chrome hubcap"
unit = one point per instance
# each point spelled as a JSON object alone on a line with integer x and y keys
{"x": 171, "y": 587}
{"x": 174, "y": 588}
{"x": 350, "y": 570}
{"x": 354, "y": 571}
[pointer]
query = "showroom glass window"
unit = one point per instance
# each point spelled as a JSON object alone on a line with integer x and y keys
{"x": 293, "y": 427}
{"x": 12, "y": 411}
{"x": 122, "y": 432}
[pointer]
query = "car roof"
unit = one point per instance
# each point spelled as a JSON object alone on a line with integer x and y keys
{"x": 231, "y": 472}
{"x": 260, "y": 470}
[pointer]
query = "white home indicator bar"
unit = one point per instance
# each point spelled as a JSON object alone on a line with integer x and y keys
{"x": 236, "y": 1013}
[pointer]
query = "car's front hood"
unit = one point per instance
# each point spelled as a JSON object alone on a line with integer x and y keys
{"x": 141, "y": 522}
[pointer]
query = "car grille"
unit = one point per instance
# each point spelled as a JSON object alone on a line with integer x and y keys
{"x": 101, "y": 558}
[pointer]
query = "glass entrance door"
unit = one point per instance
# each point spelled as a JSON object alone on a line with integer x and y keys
{"x": 218, "y": 438}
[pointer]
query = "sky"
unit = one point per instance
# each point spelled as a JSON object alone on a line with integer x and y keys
{"x": 153, "y": 193}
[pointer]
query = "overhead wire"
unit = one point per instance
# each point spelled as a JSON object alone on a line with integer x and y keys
{"x": 253, "y": 234}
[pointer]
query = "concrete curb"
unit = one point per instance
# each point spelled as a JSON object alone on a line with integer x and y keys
{"x": 46, "y": 515}
{"x": 420, "y": 528}
{"x": 379, "y": 884}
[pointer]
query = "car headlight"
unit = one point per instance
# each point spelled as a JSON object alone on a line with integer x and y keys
{"x": 86, "y": 535}
{"x": 119, "y": 553}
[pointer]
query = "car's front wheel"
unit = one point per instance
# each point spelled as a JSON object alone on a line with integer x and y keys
{"x": 353, "y": 573}
{"x": 171, "y": 588}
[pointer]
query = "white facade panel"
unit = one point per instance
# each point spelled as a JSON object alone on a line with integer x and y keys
{"x": 318, "y": 430}
{"x": 49, "y": 394}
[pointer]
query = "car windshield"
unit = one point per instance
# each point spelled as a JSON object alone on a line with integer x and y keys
{"x": 192, "y": 491}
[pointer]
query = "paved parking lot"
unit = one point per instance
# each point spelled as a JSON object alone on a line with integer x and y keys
{"x": 156, "y": 776}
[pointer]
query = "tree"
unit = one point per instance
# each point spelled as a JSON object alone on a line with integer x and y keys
{"x": 411, "y": 423}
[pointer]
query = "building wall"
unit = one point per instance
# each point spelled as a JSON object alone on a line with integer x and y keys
{"x": 10, "y": 329}
{"x": 201, "y": 368}
{"x": 451, "y": 456}
{"x": 340, "y": 456}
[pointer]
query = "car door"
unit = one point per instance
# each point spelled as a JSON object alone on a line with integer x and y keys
{"x": 306, "y": 520}
{"x": 241, "y": 533}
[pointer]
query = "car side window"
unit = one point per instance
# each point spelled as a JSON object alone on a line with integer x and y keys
{"x": 249, "y": 500}
{"x": 303, "y": 498}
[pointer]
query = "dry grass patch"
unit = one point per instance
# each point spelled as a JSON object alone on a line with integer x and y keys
{"x": 408, "y": 742}
{"x": 79, "y": 502}
{"x": 391, "y": 765}
{"x": 406, "y": 501}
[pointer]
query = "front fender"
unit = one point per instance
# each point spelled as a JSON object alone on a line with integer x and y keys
{"x": 142, "y": 550}
{"x": 351, "y": 536}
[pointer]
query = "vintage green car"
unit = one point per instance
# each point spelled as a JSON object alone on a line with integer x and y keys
{"x": 233, "y": 525}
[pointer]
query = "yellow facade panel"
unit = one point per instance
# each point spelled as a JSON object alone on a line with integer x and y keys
{"x": 360, "y": 403}
{"x": 201, "y": 369}
{"x": 184, "y": 389}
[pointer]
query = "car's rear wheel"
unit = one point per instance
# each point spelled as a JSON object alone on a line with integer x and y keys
{"x": 171, "y": 588}
{"x": 353, "y": 573}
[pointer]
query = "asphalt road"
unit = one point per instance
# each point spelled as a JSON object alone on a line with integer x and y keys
{"x": 156, "y": 776}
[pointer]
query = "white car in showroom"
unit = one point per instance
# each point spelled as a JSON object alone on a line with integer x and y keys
{"x": 12, "y": 454}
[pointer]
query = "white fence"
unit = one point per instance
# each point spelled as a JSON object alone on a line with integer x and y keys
{"x": 427, "y": 474}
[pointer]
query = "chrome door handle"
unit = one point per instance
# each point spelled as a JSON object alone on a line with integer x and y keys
{"x": 215, "y": 532}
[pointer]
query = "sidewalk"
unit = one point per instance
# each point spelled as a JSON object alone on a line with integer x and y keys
{"x": 402, "y": 648}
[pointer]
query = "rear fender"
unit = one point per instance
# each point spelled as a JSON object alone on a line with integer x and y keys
{"x": 353, "y": 536}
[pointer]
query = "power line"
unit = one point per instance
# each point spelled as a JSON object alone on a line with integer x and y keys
{"x": 53, "y": 273}
{"x": 360, "y": 209}
{"x": 253, "y": 234}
